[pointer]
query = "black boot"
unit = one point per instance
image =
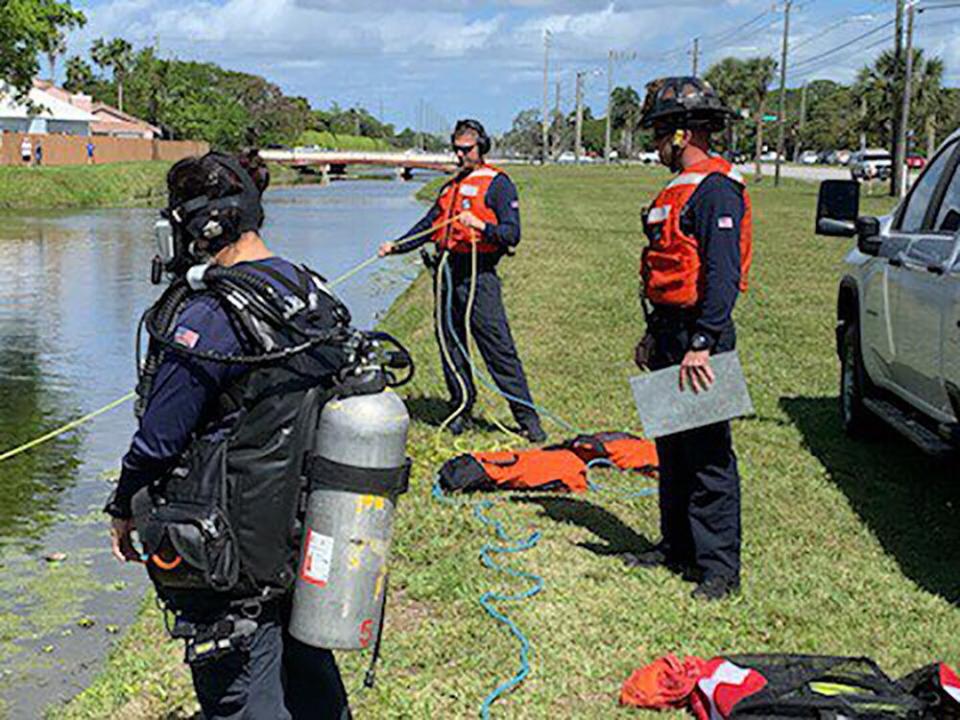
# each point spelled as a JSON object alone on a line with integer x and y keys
{"x": 717, "y": 587}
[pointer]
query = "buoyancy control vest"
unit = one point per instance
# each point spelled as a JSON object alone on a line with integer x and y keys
{"x": 670, "y": 268}
{"x": 558, "y": 468}
{"x": 462, "y": 195}
{"x": 225, "y": 520}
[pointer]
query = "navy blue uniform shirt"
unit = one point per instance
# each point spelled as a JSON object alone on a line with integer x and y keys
{"x": 714, "y": 216}
{"x": 185, "y": 389}
{"x": 501, "y": 198}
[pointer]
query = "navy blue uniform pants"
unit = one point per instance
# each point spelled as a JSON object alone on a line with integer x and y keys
{"x": 491, "y": 333}
{"x": 699, "y": 482}
{"x": 277, "y": 678}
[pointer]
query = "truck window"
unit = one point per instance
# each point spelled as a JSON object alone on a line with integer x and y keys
{"x": 948, "y": 216}
{"x": 911, "y": 218}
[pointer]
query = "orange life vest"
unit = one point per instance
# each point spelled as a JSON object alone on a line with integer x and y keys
{"x": 558, "y": 468}
{"x": 671, "y": 269}
{"x": 461, "y": 195}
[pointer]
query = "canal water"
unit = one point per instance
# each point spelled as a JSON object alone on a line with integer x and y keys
{"x": 74, "y": 286}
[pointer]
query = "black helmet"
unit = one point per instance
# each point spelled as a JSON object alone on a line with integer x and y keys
{"x": 687, "y": 103}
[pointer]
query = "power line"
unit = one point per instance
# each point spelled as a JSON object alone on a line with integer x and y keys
{"x": 844, "y": 45}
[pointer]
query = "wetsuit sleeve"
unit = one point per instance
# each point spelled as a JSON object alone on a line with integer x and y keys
{"x": 717, "y": 210}
{"x": 404, "y": 246}
{"x": 181, "y": 392}
{"x": 502, "y": 198}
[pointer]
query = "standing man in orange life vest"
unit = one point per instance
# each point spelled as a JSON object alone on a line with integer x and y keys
{"x": 700, "y": 247}
{"x": 485, "y": 200}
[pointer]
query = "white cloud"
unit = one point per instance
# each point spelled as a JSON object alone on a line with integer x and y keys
{"x": 463, "y": 56}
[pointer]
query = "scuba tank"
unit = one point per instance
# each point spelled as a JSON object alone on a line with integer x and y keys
{"x": 356, "y": 472}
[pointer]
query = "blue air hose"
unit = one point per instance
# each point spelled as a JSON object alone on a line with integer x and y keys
{"x": 509, "y": 546}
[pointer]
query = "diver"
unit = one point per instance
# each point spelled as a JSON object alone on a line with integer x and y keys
{"x": 477, "y": 208}
{"x": 212, "y": 480}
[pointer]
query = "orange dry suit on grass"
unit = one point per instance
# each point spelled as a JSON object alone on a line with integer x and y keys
{"x": 559, "y": 468}
{"x": 462, "y": 195}
{"x": 671, "y": 269}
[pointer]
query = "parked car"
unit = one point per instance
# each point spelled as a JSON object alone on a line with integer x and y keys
{"x": 844, "y": 157}
{"x": 770, "y": 156}
{"x": 916, "y": 162}
{"x": 872, "y": 164}
{"x": 898, "y": 306}
{"x": 809, "y": 157}
{"x": 648, "y": 157}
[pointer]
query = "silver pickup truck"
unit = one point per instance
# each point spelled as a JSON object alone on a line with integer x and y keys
{"x": 898, "y": 310}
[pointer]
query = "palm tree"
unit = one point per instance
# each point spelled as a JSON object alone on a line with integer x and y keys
{"x": 117, "y": 55}
{"x": 880, "y": 88}
{"x": 745, "y": 83}
{"x": 758, "y": 74}
{"x": 54, "y": 47}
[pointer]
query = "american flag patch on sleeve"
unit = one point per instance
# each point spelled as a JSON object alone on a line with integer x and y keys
{"x": 186, "y": 337}
{"x": 725, "y": 222}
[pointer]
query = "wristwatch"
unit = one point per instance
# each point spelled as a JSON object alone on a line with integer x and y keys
{"x": 700, "y": 342}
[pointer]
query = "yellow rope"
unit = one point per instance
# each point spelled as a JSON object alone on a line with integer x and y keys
{"x": 129, "y": 396}
{"x": 69, "y": 426}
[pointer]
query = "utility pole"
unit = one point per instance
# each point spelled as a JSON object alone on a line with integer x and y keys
{"x": 803, "y": 118}
{"x": 578, "y": 142}
{"x": 545, "y": 139}
{"x": 613, "y": 55}
{"x": 901, "y": 157}
{"x": 781, "y": 125}
{"x": 555, "y": 147}
{"x": 696, "y": 55}
{"x": 895, "y": 126}
{"x": 606, "y": 141}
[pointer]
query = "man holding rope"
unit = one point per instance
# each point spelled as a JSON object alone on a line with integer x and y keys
{"x": 478, "y": 209}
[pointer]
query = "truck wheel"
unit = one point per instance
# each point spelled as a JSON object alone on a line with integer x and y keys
{"x": 854, "y": 386}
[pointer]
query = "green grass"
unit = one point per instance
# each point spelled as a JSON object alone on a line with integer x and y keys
{"x": 81, "y": 186}
{"x": 849, "y": 547}
{"x": 333, "y": 141}
{"x": 114, "y": 185}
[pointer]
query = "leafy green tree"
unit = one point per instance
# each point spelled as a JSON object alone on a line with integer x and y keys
{"x": 525, "y": 135}
{"x": 80, "y": 78}
{"x": 27, "y": 28}
{"x": 117, "y": 56}
{"x": 625, "y": 116}
{"x": 832, "y": 117}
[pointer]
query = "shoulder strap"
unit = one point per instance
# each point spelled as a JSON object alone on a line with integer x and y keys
{"x": 295, "y": 289}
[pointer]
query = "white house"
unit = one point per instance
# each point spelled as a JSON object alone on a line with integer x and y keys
{"x": 52, "y": 115}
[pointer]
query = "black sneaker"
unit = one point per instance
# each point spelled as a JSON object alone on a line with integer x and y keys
{"x": 535, "y": 434}
{"x": 717, "y": 587}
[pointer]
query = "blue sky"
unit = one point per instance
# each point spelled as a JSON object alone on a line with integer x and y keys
{"x": 464, "y": 58}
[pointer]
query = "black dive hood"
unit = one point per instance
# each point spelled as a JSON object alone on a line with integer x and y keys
{"x": 190, "y": 233}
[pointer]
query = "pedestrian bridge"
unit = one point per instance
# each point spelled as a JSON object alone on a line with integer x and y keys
{"x": 335, "y": 162}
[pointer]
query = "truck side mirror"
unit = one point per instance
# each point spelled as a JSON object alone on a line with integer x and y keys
{"x": 838, "y": 206}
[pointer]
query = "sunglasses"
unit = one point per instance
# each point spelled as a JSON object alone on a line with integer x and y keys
{"x": 465, "y": 149}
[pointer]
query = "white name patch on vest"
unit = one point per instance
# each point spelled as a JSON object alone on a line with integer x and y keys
{"x": 469, "y": 190}
{"x": 725, "y": 222}
{"x": 658, "y": 214}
